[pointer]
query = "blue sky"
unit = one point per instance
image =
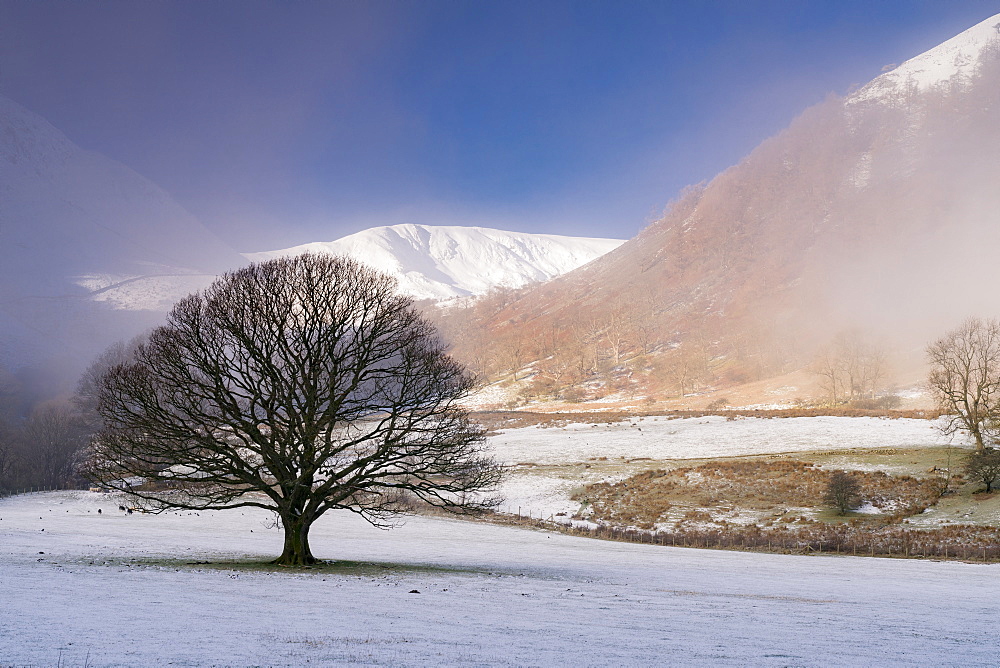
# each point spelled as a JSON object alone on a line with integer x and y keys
{"x": 282, "y": 123}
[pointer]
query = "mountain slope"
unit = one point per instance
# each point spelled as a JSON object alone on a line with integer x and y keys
{"x": 954, "y": 62}
{"x": 878, "y": 211}
{"x": 73, "y": 225}
{"x": 442, "y": 262}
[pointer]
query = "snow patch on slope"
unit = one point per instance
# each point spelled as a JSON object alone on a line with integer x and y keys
{"x": 443, "y": 262}
{"x": 952, "y": 61}
{"x": 153, "y": 292}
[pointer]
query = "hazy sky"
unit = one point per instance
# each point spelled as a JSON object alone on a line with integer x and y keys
{"x": 282, "y": 123}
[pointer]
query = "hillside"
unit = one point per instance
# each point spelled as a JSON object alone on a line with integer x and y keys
{"x": 869, "y": 214}
{"x": 75, "y": 227}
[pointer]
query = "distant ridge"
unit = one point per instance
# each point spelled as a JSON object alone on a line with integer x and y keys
{"x": 952, "y": 63}
{"x": 441, "y": 262}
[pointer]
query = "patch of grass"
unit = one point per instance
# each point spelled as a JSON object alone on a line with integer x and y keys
{"x": 909, "y": 461}
{"x": 510, "y": 419}
{"x": 745, "y": 491}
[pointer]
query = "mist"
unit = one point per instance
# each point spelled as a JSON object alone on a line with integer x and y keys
{"x": 285, "y": 124}
{"x": 921, "y": 256}
{"x": 134, "y": 171}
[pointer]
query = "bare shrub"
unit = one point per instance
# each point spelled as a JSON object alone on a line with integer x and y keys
{"x": 842, "y": 492}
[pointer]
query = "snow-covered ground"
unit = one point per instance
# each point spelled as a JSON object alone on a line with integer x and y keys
{"x": 711, "y": 436}
{"x": 541, "y": 493}
{"x": 81, "y": 588}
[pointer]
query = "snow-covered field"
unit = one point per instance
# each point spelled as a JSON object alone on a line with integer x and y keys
{"x": 712, "y": 436}
{"x": 89, "y": 590}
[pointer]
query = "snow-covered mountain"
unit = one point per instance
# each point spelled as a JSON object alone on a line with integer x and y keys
{"x": 952, "y": 63}
{"x": 443, "y": 262}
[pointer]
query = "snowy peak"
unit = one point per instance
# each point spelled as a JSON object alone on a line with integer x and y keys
{"x": 955, "y": 60}
{"x": 442, "y": 262}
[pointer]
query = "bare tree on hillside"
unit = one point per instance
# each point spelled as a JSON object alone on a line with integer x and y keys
{"x": 965, "y": 378}
{"x": 512, "y": 352}
{"x": 587, "y": 338}
{"x": 852, "y": 367}
{"x": 647, "y": 336}
{"x": 684, "y": 367}
{"x": 298, "y": 385}
{"x": 615, "y": 332}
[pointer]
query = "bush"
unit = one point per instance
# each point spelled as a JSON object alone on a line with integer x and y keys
{"x": 984, "y": 467}
{"x": 842, "y": 492}
{"x": 718, "y": 405}
{"x": 886, "y": 402}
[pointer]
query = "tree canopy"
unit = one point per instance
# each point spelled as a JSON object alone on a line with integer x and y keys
{"x": 842, "y": 492}
{"x": 299, "y": 385}
{"x": 984, "y": 467}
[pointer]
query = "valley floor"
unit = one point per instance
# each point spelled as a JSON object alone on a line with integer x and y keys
{"x": 80, "y": 588}
{"x": 549, "y": 462}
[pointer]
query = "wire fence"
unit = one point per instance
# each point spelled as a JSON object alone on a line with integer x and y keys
{"x": 976, "y": 545}
{"x": 4, "y": 493}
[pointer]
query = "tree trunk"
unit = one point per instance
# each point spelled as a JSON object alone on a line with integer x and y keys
{"x": 296, "y": 551}
{"x": 980, "y": 445}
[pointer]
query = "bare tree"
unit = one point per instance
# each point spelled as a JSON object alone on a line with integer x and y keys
{"x": 984, "y": 466}
{"x": 684, "y": 366}
{"x": 512, "y": 352}
{"x": 299, "y": 385}
{"x": 827, "y": 365}
{"x": 6, "y": 452}
{"x": 842, "y": 492}
{"x": 965, "y": 378}
{"x": 852, "y": 367}
{"x": 50, "y": 442}
{"x": 616, "y": 331}
{"x": 864, "y": 364}
{"x": 88, "y": 388}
